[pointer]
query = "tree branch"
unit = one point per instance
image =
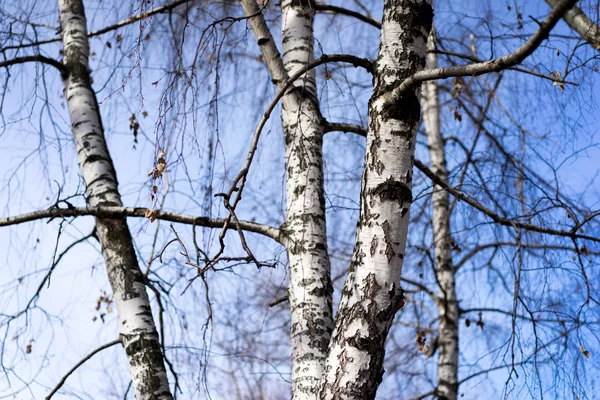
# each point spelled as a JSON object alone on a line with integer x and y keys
{"x": 140, "y": 212}
{"x": 343, "y": 127}
{"x": 495, "y": 217}
{"x": 485, "y": 67}
{"x": 79, "y": 364}
{"x": 326, "y": 8}
{"x": 517, "y": 69}
{"x": 36, "y": 58}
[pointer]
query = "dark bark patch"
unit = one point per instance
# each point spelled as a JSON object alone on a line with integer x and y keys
{"x": 393, "y": 190}
{"x": 389, "y": 248}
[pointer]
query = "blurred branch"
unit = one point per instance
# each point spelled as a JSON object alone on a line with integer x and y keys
{"x": 580, "y": 23}
{"x": 326, "y": 8}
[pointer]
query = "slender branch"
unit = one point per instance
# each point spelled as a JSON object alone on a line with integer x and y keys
{"x": 36, "y": 58}
{"x": 326, "y": 8}
{"x": 485, "y": 67}
{"x": 518, "y": 69}
{"x": 140, "y": 212}
{"x": 120, "y": 24}
{"x": 237, "y": 185}
{"x": 79, "y": 364}
{"x": 534, "y": 246}
{"x": 495, "y": 217}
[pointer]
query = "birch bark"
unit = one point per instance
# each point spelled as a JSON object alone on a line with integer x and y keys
{"x": 305, "y": 235}
{"x": 310, "y": 285}
{"x": 138, "y": 332}
{"x": 447, "y": 385}
{"x": 372, "y": 292}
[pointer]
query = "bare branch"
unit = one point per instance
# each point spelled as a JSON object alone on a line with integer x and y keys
{"x": 326, "y": 8}
{"x": 79, "y": 364}
{"x": 495, "y": 217}
{"x": 36, "y": 58}
{"x": 517, "y": 69}
{"x": 120, "y": 24}
{"x": 343, "y": 127}
{"x": 140, "y": 212}
{"x": 485, "y": 67}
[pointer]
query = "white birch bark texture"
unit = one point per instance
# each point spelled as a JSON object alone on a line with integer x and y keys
{"x": 304, "y": 230}
{"x": 372, "y": 293}
{"x": 138, "y": 332}
{"x": 447, "y": 340}
{"x": 310, "y": 285}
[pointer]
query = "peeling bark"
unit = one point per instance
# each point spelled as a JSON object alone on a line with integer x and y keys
{"x": 372, "y": 292}
{"x": 138, "y": 331}
{"x": 447, "y": 385}
{"x": 304, "y": 230}
{"x": 310, "y": 285}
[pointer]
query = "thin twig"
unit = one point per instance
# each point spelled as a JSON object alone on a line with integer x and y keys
{"x": 79, "y": 364}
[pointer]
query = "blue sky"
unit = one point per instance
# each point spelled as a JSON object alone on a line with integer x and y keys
{"x": 205, "y": 147}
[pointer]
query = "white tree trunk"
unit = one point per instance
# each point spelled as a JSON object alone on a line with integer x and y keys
{"x": 372, "y": 292}
{"x": 138, "y": 331}
{"x": 310, "y": 285}
{"x": 447, "y": 385}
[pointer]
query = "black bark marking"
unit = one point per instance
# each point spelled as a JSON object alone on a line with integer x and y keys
{"x": 393, "y": 190}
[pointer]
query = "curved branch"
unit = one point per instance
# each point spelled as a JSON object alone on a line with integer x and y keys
{"x": 326, "y": 8}
{"x": 324, "y": 59}
{"x": 495, "y": 217}
{"x": 36, "y": 58}
{"x": 485, "y": 67}
{"x": 79, "y": 364}
{"x": 140, "y": 212}
{"x": 517, "y": 69}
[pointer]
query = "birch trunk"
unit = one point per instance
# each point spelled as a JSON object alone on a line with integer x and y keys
{"x": 138, "y": 332}
{"x": 310, "y": 285}
{"x": 447, "y": 385}
{"x": 372, "y": 292}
